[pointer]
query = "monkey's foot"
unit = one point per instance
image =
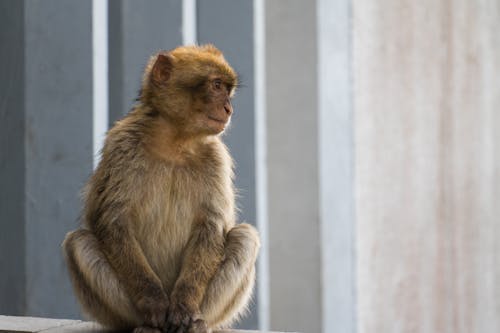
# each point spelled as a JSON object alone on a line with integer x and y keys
{"x": 146, "y": 329}
{"x": 199, "y": 326}
{"x": 192, "y": 326}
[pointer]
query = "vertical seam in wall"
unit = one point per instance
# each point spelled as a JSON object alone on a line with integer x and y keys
{"x": 261, "y": 162}
{"x": 25, "y": 167}
{"x": 116, "y": 60}
{"x": 319, "y": 139}
{"x": 319, "y": 166}
{"x": 319, "y": 161}
{"x": 99, "y": 75}
{"x": 354, "y": 253}
{"x": 189, "y": 26}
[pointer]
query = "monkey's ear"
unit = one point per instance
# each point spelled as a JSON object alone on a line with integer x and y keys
{"x": 162, "y": 69}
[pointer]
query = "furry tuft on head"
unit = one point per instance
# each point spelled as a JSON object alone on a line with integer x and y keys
{"x": 186, "y": 66}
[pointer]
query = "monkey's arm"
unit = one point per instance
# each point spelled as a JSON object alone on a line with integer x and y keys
{"x": 133, "y": 271}
{"x": 202, "y": 256}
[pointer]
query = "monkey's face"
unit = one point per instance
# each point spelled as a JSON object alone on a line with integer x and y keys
{"x": 193, "y": 87}
{"x": 213, "y": 108}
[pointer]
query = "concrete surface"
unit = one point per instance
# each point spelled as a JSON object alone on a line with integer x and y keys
{"x": 33, "y": 324}
{"x": 427, "y": 170}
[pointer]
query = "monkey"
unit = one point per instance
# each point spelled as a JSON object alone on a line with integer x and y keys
{"x": 159, "y": 249}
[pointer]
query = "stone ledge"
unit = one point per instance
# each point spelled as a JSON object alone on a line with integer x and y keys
{"x": 32, "y": 325}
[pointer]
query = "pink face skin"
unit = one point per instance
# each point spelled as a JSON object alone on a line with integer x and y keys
{"x": 219, "y": 108}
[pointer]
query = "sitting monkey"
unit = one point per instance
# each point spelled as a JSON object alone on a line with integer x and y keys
{"x": 159, "y": 249}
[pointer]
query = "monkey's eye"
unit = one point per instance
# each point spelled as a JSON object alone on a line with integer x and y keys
{"x": 217, "y": 84}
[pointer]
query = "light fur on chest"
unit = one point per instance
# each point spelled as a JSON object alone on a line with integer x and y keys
{"x": 166, "y": 218}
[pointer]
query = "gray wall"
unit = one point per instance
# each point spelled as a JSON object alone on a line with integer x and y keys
{"x": 58, "y": 91}
{"x": 137, "y": 31}
{"x": 48, "y": 148}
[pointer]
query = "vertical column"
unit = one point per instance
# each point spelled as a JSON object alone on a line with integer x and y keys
{"x": 12, "y": 158}
{"x": 336, "y": 150}
{"x": 58, "y": 144}
{"x": 231, "y": 30}
{"x": 261, "y": 161}
{"x": 100, "y": 75}
{"x": 136, "y": 31}
{"x": 189, "y": 22}
{"x": 293, "y": 180}
{"x": 427, "y": 101}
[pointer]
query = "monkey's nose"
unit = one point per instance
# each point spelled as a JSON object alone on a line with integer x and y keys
{"x": 228, "y": 107}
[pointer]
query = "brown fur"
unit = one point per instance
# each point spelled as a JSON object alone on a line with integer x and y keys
{"x": 159, "y": 248}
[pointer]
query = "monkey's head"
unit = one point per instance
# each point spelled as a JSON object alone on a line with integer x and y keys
{"x": 192, "y": 87}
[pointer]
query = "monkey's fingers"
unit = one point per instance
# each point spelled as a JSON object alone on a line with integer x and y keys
{"x": 154, "y": 310}
{"x": 199, "y": 326}
{"x": 170, "y": 327}
{"x": 176, "y": 329}
{"x": 158, "y": 318}
{"x": 183, "y": 327}
{"x": 178, "y": 321}
{"x": 179, "y": 316}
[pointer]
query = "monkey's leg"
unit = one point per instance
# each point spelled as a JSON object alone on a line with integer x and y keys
{"x": 230, "y": 289}
{"x": 95, "y": 282}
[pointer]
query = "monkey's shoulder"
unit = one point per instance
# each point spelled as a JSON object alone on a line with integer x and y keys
{"x": 125, "y": 138}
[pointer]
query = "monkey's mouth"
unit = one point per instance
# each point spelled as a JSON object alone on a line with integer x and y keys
{"x": 221, "y": 121}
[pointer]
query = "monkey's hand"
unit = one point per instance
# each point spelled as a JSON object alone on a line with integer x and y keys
{"x": 153, "y": 306}
{"x": 183, "y": 318}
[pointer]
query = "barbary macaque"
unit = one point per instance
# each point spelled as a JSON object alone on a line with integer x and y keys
{"x": 159, "y": 249}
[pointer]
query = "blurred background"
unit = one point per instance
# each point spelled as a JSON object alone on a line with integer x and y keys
{"x": 366, "y": 138}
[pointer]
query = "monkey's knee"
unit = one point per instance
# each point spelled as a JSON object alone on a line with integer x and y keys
{"x": 231, "y": 288}
{"x": 76, "y": 244}
{"x": 243, "y": 242}
{"x": 70, "y": 239}
{"x": 226, "y": 304}
{"x": 69, "y": 246}
{"x": 82, "y": 252}
{"x": 95, "y": 283}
